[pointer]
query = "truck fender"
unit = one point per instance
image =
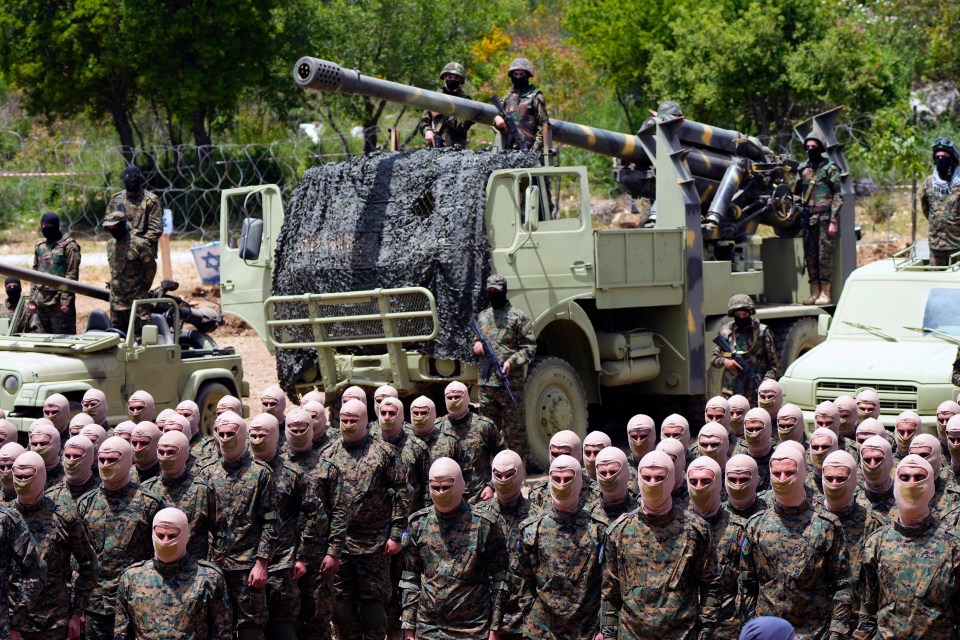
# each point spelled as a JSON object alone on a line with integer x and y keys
{"x": 570, "y": 311}
{"x": 72, "y": 390}
{"x": 192, "y": 386}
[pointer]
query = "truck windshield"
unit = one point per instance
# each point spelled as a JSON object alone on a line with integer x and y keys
{"x": 892, "y": 307}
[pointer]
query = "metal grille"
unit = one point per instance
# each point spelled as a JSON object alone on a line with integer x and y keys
{"x": 900, "y": 397}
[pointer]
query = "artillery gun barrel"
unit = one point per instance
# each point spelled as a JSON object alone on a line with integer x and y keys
{"x": 329, "y": 77}
{"x": 55, "y": 282}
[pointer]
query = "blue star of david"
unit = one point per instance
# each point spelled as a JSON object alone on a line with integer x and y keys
{"x": 211, "y": 260}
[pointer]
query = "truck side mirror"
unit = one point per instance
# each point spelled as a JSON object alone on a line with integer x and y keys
{"x": 251, "y": 235}
{"x": 823, "y": 325}
{"x": 531, "y": 208}
{"x": 4, "y": 326}
{"x": 149, "y": 335}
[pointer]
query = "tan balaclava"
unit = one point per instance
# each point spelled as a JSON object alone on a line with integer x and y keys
{"x": 828, "y": 416}
{"x": 423, "y": 423}
{"x": 189, "y": 410}
{"x": 230, "y": 403}
{"x": 457, "y": 398}
{"x": 613, "y": 474}
{"x": 928, "y": 448}
{"x": 738, "y": 409}
{"x": 299, "y": 430}
{"x": 876, "y": 462}
{"x": 593, "y": 444}
{"x": 868, "y": 405}
{"x": 678, "y": 454}
{"x": 311, "y": 396}
{"x": 839, "y": 496}
{"x": 233, "y": 446}
{"x": 79, "y": 456}
{"x": 115, "y": 475}
{"x": 713, "y": 442}
{"x": 847, "y": 407}
{"x": 170, "y": 550}
{"x": 445, "y": 475}
{"x": 655, "y": 497}
{"x": 32, "y": 478}
{"x": 140, "y": 406}
{"x": 40, "y": 431}
{"x": 386, "y": 391}
{"x": 945, "y": 411}
{"x": 8, "y": 455}
{"x": 796, "y": 446}
{"x": 97, "y": 434}
{"x": 391, "y": 416}
{"x": 94, "y": 404}
{"x": 705, "y": 500}
{"x": 56, "y": 409}
{"x": 318, "y": 416}
{"x": 789, "y": 492}
{"x": 78, "y": 422}
{"x": 953, "y": 440}
{"x": 908, "y": 425}
{"x": 8, "y": 432}
{"x": 173, "y": 463}
{"x": 742, "y": 494}
{"x": 566, "y": 442}
{"x": 353, "y": 421}
{"x": 870, "y": 427}
{"x": 161, "y": 419}
{"x": 640, "y": 435}
{"x": 790, "y": 423}
{"x": 180, "y": 423}
{"x": 565, "y": 492}
{"x": 146, "y": 437}
{"x": 717, "y": 410}
{"x": 263, "y": 436}
{"x": 823, "y": 442}
{"x": 273, "y": 401}
{"x": 913, "y": 496}
{"x": 124, "y": 430}
{"x": 770, "y": 397}
{"x": 355, "y": 393}
{"x": 509, "y": 467}
{"x": 758, "y": 432}
{"x": 676, "y": 426}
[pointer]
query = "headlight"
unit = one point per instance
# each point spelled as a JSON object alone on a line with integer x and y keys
{"x": 11, "y": 384}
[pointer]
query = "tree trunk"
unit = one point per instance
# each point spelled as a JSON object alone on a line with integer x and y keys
{"x": 121, "y": 122}
{"x": 201, "y": 136}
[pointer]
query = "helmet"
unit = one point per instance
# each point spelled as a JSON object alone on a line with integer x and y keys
{"x": 740, "y": 302}
{"x": 818, "y": 138}
{"x": 669, "y": 108}
{"x": 454, "y": 69}
{"x": 521, "y": 64}
{"x": 944, "y": 144}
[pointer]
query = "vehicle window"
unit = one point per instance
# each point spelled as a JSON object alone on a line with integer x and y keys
{"x": 240, "y": 207}
{"x": 560, "y": 199}
{"x": 942, "y": 311}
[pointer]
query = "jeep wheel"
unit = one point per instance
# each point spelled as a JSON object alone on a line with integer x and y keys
{"x": 207, "y": 400}
{"x": 794, "y": 339}
{"x": 554, "y": 400}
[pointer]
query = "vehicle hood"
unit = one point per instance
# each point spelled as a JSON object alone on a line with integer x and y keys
{"x": 921, "y": 361}
{"x": 49, "y": 367}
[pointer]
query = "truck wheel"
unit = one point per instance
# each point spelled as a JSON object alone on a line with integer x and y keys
{"x": 207, "y": 400}
{"x": 554, "y": 400}
{"x": 793, "y": 339}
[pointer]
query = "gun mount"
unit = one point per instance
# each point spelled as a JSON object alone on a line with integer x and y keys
{"x": 55, "y": 282}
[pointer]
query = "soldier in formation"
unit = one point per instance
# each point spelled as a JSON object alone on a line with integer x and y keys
{"x": 443, "y": 130}
{"x": 58, "y": 255}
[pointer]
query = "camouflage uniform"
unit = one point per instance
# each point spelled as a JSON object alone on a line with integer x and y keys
{"x": 451, "y": 129}
{"x": 196, "y": 499}
{"x": 559, "y": 562}
{"x": 825, "y": 201}
{"x": 942, "y": 209}
{"x": 204, "y": 449}
{"x": 758, "y": 505}
{"x": 119, "y": 523}
{"x": 456, "y": 574}
{"x": 908, "y": 582}
{"x": 726, "y": 532}
{"x": 757, "y": 346}
{"x": 29, "y": 322}
{"x": 187, "y": 600}
{"x": 243, "y": 529}
{"x": 58, "y": 533}
{"x": 659, "y": 578}
{"x": 858, "y": 523}
{"x": 510, "y": 332}
{"x": 17, "y": 548}
{"x": 375, "y": 494}
{"x": 69, "y": 494}
{"x": 144, "y": 215}
{"x": 145, "y": 475}
{"x": 60, "y": 258}
{"x": 528, "y": 109}
{"x": 539, "y": 492}
{"x": 795, "y": 565}
{"x": 132, "y": 266}
{"x": 607, "y": 513}
{"x": 480, "y": 442}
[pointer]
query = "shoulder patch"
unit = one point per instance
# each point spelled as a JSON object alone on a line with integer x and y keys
{"x": 745, "y": 546}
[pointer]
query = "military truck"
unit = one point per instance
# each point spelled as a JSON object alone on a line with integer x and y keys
{"x": 35, "y": 366}
{"x": 631, "y": 311}
{"x": 896, "y": 330}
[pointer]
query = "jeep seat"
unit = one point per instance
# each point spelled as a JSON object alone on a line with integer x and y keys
{"x": 98, "y": 321}
{"x": 163, "y": 329}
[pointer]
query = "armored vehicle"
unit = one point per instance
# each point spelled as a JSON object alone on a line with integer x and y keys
{"x": 628, "y": 312}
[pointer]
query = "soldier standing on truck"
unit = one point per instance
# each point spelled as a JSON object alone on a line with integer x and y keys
{"x": 509, "y": 331}
{"x": 819, "y": 189}
{"x": 58, "y": 255}
{"x": 940, "y": 202}
{"x": 142, "y": 210}
{"x": 525, "y": 105}
{"x": 442, "y": 130}
{"x": 132, "y": 265}
{"x": 753, "y": 342}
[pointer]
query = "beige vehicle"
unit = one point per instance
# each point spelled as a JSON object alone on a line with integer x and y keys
{"x": 616, "y": 312}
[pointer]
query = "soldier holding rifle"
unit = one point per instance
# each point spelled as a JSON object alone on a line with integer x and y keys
{"x": 745, "y": 350}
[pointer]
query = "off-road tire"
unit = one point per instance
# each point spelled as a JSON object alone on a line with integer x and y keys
{"x": 210, "y": 394}
{"x": 794, "y": 338}
{"x": 554, "y": 400}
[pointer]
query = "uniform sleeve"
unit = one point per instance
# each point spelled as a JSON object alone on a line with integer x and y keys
{"x": 267, "y": 512}
{"x": 540, "y": 107}
{"x": 397, "y": 476}
{"x": 526, "y": 342}
{"x": 840, "y": 585}
{"x": 221, "y": 623}
{"x": 869, "y": 587}
{"x": 410, "y": 580}
{"x": 710, "y": 586}
{"x": 34, "y": 287}
{"x": 718, "y": 358}
{"x": 498, "y": 563}
{"x": 154, "y": 222}
{"x": 747, "y": 585}
{"x": 18, "y": 543}
{"x": 924, "y": 198}
{"x": 72, "y": 254}
{"x": 87, "y": 567}
{"x": 610, "y": 591}
{"x": 314, "y": 529}
{"x": 770, "y": 354}
{"x": 123, "y": 627}
{"x": 835, "y": 189}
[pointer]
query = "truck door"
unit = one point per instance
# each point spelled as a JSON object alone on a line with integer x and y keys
{"x": 152, "y": 365}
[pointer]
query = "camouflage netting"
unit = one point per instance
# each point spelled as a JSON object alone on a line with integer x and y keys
{"x": 391, "y": 220}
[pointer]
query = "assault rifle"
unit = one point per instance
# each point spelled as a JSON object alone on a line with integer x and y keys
{"x": 749, "y": 370}
{"x": 513, "y": 134}
{"x": 490, "y": 361}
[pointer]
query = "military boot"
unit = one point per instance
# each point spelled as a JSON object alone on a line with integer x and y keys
{"x": 824, "y": 297}
{"x": 814, "y": 294}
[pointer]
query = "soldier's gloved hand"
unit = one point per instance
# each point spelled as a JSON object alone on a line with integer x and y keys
{"x": 478, "y": 348}
{"x": 74, "y": 627}
{"x": 392, "y": 547}
{"x": 329, "y": 565}
{"x": 299, "y": 570}
{"x": 258, "y": 575}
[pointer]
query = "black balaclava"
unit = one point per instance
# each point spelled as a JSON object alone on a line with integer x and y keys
{"x": 519, "y": 84}
{"x": 14, "y": 289}
{"x": 498, "y": 299}
{"x": 945, "y": 165}
{"x": 50, "y": 227}
{"x": 452, "y": 84}
{"x": 743, "y": 323}
{"x": 132, "y": 179}
{"x": 815, "y": 155}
